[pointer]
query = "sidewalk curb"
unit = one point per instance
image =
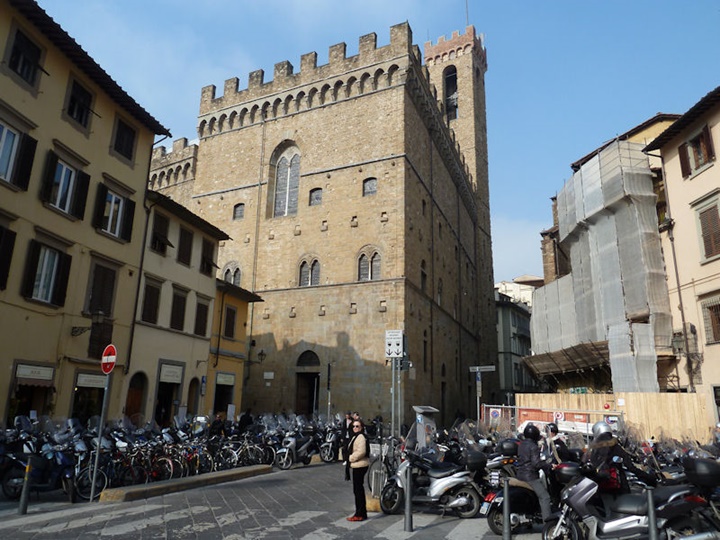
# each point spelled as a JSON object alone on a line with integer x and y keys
{"x": 134, "y": 493}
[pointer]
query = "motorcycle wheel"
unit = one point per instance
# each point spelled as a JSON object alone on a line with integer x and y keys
{"x": 12, "y": 483}
{"x": 284, "y": 460}
{"x": 391, "y": 499}
{"x": 685, "y": 526}
{"x": 473, "y": 507}
{"x": 327, "y": 454}
{"x": 306, "y": 460}
{"x": 495, "y": 520}
{"x": 569, "y": 530}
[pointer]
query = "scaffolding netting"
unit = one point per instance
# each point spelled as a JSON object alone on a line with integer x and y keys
{"x": 616, "y": 295}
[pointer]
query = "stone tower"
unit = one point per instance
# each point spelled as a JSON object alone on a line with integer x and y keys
{"x": 353, "y": 210}
{"x": 457, "y": 69}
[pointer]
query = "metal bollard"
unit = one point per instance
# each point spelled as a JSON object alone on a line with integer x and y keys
{"x": 507, "y": 527}
{"x": 25, "y": 494}
{"x": 652, "y": 520}
{"x": 408, "y": 501}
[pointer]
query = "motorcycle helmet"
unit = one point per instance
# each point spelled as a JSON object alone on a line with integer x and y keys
{"x": 552, "y": 428}
{"x": 601, "y": 428}
{"x": 531, "y": 431}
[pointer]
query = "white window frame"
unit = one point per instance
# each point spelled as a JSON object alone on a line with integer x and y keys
{"x": 8, "y": 151}
{"x": 112, "y": 218}
{"x": 63, "y": 186}
{"x": 45, "y": 274}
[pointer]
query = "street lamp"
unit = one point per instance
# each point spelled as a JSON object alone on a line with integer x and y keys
{"x": 97, "y": 317}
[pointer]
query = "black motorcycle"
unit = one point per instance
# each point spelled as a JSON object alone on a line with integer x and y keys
{"x": 51, "y": 469}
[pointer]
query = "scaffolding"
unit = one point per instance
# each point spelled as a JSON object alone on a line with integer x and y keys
{"x": 616, "y": 294}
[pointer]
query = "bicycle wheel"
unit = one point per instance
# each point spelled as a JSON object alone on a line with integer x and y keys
{"x": 374, "y": 466}
{"x": 83, "y": 483}
{"x": 162, "y": 469}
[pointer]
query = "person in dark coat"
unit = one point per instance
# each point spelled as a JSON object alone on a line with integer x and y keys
{"x": 607, "y": 456}
{"x": 345, "y": 435}
{"x": 559, "y": 451}
{"x": 528, "y": 466}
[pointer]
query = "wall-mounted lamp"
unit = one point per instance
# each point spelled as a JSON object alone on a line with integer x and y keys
{"x": 198, "y": 362}
{"x": 261, "y": 355}
{"x": 97, "y": 317}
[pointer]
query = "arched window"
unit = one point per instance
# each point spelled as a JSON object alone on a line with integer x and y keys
{"x": 369, "y": 266}
{"x": 239, "y": 211}
{"x": 287, "y": 181}
{"x": 236, "y": 277}
{"x": 228, "y": 276}
{"x": 309, "y": 274}
{"x": 451, "y": 93}
{"x": 423, "y": 276}
{"x": 369, "y": 186}
{"x": 315, "y": 197}
{"x": 304, "y": 280}
{"x": 315, "y": 273}
{"x": 375, "y": 266}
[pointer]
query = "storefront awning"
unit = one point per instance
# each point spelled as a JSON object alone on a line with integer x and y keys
{"x": 32, "y": 382}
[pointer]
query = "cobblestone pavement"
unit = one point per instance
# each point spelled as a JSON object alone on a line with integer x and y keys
{"x": 309, "y": 503}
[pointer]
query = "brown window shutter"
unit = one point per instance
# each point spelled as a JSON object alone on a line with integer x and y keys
{"x": 710, "y": 225}
{"x": 709, "y": 143}
{"x": 7, "y": 243}
{"x": 684, "y": 160}
{"x": 24, "y": 163}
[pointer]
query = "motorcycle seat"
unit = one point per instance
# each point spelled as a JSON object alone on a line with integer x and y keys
{"x": 445, "y": 471}
{"x": 637, "y": 503}
{"x": 630, "y": 504}
{"x": 519, "y": 483}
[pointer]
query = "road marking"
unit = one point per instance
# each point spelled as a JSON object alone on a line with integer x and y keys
{"x": 468, "y": 529}
{"x": 107, "y": 512}
{"x": 397, "y": 531}
{"x": 299, "y": 517}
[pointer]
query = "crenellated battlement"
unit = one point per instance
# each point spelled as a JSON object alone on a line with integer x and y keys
{"x": 285, "y": 78}
{"x": 458, "y": 44}
{"x": 169, "y": 169}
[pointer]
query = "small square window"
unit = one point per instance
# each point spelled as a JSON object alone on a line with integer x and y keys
{"x": 239, "y": 211}
{"x": 369, "y": 186}
{"x": 79, "y": 104}
{"x": 25, "y": 58}
{"x": 124, "y": 140}
{"x": 316, "y": 196}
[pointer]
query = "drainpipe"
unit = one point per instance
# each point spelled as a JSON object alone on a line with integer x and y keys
{"x": 220, "y": 327}
{"x": 671, "y": 237}
{"x": 126, "y": 369}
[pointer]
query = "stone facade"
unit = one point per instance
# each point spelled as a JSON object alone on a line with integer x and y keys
{"x": 386, "y": 227}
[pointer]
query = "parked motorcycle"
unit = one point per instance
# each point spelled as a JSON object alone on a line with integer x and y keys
{"x": 53, "y": 468}
{"x": 299, "y": 445}
{"x": 447, "y": 486}
{"x": 330, "y": 448}
{"x": 585, "y": 513}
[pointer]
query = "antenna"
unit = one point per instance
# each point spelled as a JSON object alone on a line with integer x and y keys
{"x": 467, "y": 14}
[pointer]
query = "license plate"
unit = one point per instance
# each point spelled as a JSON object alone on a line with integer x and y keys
{"x": 484, "y": 508}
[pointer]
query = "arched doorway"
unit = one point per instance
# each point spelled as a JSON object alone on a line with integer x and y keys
{"x": 308, "y": 383}
{"x": 135, "y": 400}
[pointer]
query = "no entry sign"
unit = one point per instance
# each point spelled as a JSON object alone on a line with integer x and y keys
{"x": 109, "y": 356}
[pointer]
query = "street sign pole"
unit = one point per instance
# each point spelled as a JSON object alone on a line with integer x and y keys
{"x": 478, "y": 371}
{"x": 103, "y": 414}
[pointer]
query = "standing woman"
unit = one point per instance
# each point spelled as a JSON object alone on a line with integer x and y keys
{"x": 359, "y": 461}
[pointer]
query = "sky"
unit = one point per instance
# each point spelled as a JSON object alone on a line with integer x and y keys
{"x": 564, "y": 76}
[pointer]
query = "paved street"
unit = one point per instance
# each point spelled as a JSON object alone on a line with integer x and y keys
{"x": 308, "y": 503}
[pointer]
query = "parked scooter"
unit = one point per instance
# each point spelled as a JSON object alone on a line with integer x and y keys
{"x": 52, "y": 469}
{"x": 586, "y": 513}
{"x": 330, "y": 448}
{"x": 447, "y": 486}
{"x": 299, "y": 445}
